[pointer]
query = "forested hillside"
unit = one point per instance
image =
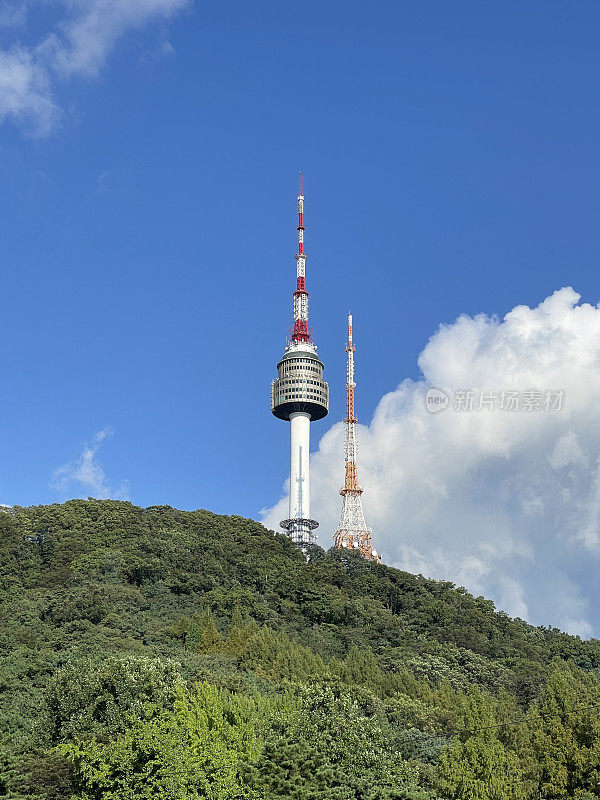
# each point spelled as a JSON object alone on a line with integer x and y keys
{"x": 156, "y": 653}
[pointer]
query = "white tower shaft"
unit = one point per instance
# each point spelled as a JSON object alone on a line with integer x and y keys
{"x": 299, "y": 466}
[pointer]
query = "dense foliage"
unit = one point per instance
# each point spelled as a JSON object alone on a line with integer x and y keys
{"x": 156, "y": 653}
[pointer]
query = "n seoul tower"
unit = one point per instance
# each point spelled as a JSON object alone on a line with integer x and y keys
{"x": 352, "y": 531}
{"x": 299, "y": 395}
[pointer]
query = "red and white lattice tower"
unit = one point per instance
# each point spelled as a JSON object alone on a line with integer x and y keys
{"x": 299, "y": 395}
{"x": 352, "y": 532}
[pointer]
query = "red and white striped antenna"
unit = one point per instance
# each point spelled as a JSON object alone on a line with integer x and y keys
{"x": 300, "y": 332}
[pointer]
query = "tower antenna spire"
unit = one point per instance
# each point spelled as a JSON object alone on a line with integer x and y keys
{"x": 300, "y": 331}
{"x": 352, "y": 532}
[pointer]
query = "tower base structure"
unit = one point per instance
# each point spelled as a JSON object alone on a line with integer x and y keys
{"x": 352, "y": 532}
{"x": 300, "y": 530}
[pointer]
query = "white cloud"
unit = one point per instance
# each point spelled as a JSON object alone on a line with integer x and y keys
{"x": 505, "y": 503}
{"x": 87, "y": 473}
{"x": 77, "y": 45}
{"x": 25, "y": 91}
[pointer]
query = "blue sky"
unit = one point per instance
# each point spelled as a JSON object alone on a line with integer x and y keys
{"x": 149, "y": 171}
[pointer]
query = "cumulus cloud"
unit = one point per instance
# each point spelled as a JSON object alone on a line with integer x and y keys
{"x": 87, "y": 473}
{"x": 504, "y": 502}
{"x": 76, "y": 46}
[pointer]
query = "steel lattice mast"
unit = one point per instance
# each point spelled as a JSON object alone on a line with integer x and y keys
{"x": 299, "y": 395}
{"x": 352, "y": 532}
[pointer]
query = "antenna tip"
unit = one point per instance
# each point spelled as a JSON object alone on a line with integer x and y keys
{"x": 301, "y": 183}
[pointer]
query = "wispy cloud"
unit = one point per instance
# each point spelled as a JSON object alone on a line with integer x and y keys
{"x": 87, "y": 473}
{"x": 101, "y": 188}
{"x": 164, "y": 50}
{"x": 25, "y": 91}
{"x": 77, "y": 45}
{"x": 13, "y": 15}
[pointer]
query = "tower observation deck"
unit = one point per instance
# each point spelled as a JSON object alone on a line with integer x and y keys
{"x": 299, "y": 395}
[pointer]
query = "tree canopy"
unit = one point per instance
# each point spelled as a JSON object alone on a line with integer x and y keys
{"x": 156, "y": 653}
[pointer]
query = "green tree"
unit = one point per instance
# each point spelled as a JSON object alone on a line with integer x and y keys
{"x": 97, "y": 697}
{"x": 193, "y": 752}
{"x": 477, "y": 766}
{"x": 181, "y": 628}
{"x": 204, "y": 634}
{"x": 566, "y": 739}
{"x": 239, "y": 635}
{"x": 327, "y": 749}
{"x": 277, "y": 656}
